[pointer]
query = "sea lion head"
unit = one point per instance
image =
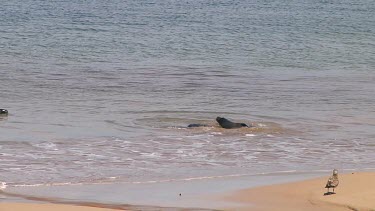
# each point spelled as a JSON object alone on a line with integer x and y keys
{"x": 222, "y": 120}
{"x": 218, "y": 119}
{"x": 244, "y": 125}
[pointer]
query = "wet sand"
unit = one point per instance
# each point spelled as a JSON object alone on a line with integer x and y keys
{"x": 195, "y": 192}
{"x": 46, "y": 207}
{"x": 356, "y": 191}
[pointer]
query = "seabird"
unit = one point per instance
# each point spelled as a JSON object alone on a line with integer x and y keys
{"x": 333, "y": 181}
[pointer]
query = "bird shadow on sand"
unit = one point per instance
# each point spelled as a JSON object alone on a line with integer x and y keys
{"x": 329, "y": 193}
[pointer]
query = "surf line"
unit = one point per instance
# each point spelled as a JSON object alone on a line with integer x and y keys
{"x": 83, "y": 203}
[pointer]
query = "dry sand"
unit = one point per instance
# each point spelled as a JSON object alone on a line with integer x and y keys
{"x": 356, "y": 191}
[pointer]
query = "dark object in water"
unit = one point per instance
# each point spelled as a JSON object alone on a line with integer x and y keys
{"x": 224, "y": 123}
{"x": 197, "y": 125}
{"x": 3, "y": 112}
{"x": 332, "y": 182}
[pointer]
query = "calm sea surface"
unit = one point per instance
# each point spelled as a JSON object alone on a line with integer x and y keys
{"x": 102, "y": 91}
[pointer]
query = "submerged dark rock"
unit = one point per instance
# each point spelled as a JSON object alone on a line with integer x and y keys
{"x": 3, "y": 112}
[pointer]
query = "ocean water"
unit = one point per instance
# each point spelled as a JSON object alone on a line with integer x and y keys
{"x": 102, "y": 91}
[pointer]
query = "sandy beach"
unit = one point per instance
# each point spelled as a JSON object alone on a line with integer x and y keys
{"x": 356, "y": 191}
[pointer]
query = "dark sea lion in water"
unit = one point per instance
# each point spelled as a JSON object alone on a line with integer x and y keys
{"x": 3, "y": 112}
{"x": 197, "y": 125}
{"x": 224, "y": 123}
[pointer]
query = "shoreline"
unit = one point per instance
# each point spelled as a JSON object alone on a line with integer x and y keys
{"x": 47, "y": 207}
{"x": 196, "y": 194}
{"x": 356, "y": 191}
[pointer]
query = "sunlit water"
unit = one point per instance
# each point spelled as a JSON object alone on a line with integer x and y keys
{"x": 102, "y": 91}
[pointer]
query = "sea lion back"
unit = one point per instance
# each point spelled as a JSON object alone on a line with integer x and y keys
{"x": 225, "y": 123}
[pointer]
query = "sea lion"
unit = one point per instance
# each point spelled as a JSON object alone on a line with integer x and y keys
{"x": 197, "y": 125}
{"x": 3, "y": 112}
{"x": 224, "y": 123}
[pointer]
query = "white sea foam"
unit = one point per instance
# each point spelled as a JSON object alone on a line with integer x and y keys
{"x": 250, "y": 157}
{"x": 46, "y": 145}
{"x": 153, "y": 154}
{"x": 180, "y": 151}
{"x": 117, "y": 180}
{"x": 122, "y": 141}
{"x": 3, "y": 185}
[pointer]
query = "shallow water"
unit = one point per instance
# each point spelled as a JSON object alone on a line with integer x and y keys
{"x": 196, "y": 194}
{"x": 103, "y": 91}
